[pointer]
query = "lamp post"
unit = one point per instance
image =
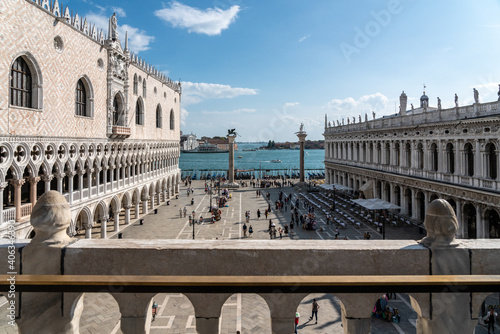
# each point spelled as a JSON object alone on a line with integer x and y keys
{"x": 194, "y": 221}
{"x": 211, "y": 186}
{"x": 333, "y": 204}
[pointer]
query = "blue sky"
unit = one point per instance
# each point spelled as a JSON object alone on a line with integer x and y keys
{"x": 265, "y": 66}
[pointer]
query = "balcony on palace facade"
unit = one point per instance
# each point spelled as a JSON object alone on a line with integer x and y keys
{"x": 120, "y": 132}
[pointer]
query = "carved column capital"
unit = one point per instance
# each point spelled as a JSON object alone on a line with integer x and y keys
{"x": 47, "y": 178}
{"x": 34, "y": 180}
{"x": 18, "y": 183}
{"x": 70, "y": 174}
{"x": 3, "y": 185}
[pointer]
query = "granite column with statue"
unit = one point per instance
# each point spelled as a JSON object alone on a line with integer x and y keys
{"x": 231, "y": 135}
{"x": 302, "y": 138}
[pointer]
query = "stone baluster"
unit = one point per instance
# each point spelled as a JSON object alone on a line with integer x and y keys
{"x": 136, "y": 312}
{"x": 17, "y": 197}
{"x": 33, "y": 183}
{"x": 41, "y": 312}
{"x": 207, "y": 309}
{"x": 356, "y": 311}
{"x": 283, "y": 308}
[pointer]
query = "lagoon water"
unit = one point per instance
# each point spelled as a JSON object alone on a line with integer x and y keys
{"x": 256, "y": 160}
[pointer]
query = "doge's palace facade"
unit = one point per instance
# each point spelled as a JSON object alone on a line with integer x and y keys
{"x": 418, "y": 155}
{"x": 82, "y": 115}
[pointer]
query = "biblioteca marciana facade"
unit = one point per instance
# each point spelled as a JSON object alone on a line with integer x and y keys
{"x": 82, "y": 115}
{"x": 419, "y": 155}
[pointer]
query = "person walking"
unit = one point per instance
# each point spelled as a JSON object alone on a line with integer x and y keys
{"x": 315, "y": 308}
{"x": 250, "y": 230}
{"x": 258, "y": 214}
{"x": 490, "y": 318}
{"x": 244, "y": 230}
{"x": 297, "y": 317}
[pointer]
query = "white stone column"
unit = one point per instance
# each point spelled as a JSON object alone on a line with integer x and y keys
{"x": 461, "y": 225}
{"x": 33, "y": 183}
{"x": 414, "y": 206}
{"x": 47, "y": 179}
{"x": 137, "y": 210}
{"x": 282, "y": 308}
{"x": 104, "y": 228}
{"x": 230, "y": 172}
{"x": 480, "y": 228}
{"x": 3, "y": 185}
{"x": 302, "y": 137}
{"x": 88, "y": 230}
{"x": 112, "y": 176}
{"x": 17, "y": 197}
{"x": 478, "y": 168}
{"x": 97, "y": 171}
{"x": 60, "y": 177}
{"x": 117, "y": 220}
{"x": 104, "y": 178}
{"x": 144, "y": 206}
{"x": 80, "y": 182}
{"x": 127, "y": 214}
{"x": 70, "y": 185}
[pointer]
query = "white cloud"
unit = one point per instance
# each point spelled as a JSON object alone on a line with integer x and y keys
{"x": 237, "y": 111}
{"x": 210, "y": 21}
{"x": 290, "y": 104}
{"x": 195, "y": 92}
{"x": 184, "y": 115}
{"x": 138, "y": 40}
{"x": 303, "y": 38}
{"x": 365, "y": 103}
{"x": 119, "y": 11}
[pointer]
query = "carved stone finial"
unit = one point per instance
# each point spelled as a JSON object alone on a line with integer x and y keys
{"x": 441, "y": 224}
{"x": 50, "y": 218}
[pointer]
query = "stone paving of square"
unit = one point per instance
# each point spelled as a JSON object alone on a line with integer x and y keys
{"x": 245, "y": 312}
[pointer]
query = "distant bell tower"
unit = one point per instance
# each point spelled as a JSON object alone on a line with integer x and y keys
{"x": 403, "y": 99}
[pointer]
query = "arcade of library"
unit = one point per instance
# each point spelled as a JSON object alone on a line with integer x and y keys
{"x": 416, "y": 156}
{"x": 84, "y": 116}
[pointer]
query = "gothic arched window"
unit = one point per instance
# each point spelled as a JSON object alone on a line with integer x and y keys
{"x": 21, "y": 84}
{"x": 172, "y": 120}
{"x": 158, "y": 117}
{"x": 80, "y": 99}
{"x": 139, "y": 113}
{"x": 135, "y": 84}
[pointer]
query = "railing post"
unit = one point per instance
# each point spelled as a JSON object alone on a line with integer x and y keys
{"x": 356, "y": 311}
{"x": 283, "y": 307}
{"x": 207, "y": 309}
{"x": 41, "y": 312}
{"x": 136, "y": 312}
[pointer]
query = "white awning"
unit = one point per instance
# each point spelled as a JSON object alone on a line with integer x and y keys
{"x": 375, "y": 204}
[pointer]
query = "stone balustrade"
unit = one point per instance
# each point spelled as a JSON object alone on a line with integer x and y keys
{"x": 52, "y": 252}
